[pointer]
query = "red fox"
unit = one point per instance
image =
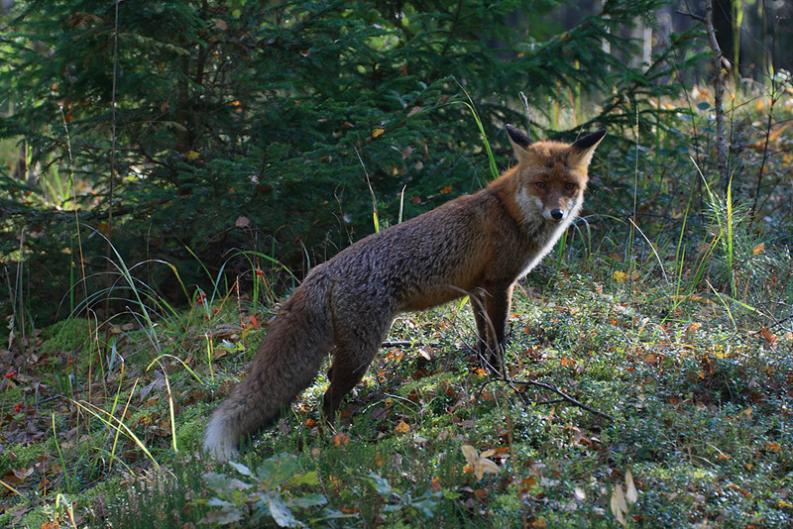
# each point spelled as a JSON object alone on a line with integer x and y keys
{"x": 478, "y": 244}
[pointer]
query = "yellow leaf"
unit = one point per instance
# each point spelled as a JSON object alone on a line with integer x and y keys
{"x": 760, "y": 248}
{"x": 402, "y": 427}
{"x": 376, "y": 133}
{"x": 191, "y": 156}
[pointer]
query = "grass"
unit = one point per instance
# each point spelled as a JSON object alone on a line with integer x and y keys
{"x": 701, "y": 420}
{"x": 675, "y": 329}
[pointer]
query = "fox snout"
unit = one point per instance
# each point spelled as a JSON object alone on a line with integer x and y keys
{"x": 557, "y": 212}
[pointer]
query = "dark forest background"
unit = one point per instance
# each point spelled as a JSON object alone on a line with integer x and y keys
{"x": 197, "y": 132}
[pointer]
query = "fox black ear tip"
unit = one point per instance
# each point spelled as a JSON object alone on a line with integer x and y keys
{"x": 590, "y": 139}
{"x": 517, "y": 136}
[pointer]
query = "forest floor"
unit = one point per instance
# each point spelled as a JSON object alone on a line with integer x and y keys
{"x": 97, "y": 430}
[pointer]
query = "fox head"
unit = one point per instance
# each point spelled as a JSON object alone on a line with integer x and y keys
{"x": 550, "y": 178}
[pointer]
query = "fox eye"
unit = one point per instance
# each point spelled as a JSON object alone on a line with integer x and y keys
{"x": 541, "y": 185}
{"x": 570, "y": 186}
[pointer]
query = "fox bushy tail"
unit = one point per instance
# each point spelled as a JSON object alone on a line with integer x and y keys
{"x": 284, "y": 365}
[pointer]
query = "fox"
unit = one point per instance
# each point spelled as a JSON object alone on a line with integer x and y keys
{"x": 478, "y": 245}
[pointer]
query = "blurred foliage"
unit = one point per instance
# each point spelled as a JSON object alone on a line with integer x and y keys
{"x": 242, "y": 124}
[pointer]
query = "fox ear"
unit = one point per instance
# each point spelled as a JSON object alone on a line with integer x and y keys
{"x": 519, "y": 140}
{"x": 584, "y": 148}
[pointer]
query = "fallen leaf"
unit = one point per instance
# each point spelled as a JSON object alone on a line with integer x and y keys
{"x": 773, "y": 446}
{"x": 479, "y": 465}
{"x": 425, "y": 354}
{"x": 768, "y": 336}
{"x": 631, "y": 494}
{"x": 619, "y": 508}
{"x": 376, "y": 133}
{"x": 567, "y": 361}
{"x": 619, "y": 276}
{"x": 341, "y": 439}
{"x": 402, "y": 427}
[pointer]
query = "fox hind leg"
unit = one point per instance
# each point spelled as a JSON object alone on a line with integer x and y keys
{"x": 351, "y": 358}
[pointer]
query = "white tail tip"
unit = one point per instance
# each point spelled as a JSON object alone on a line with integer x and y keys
{"x": 219, "y": 441}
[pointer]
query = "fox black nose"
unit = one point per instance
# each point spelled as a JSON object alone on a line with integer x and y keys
{"x": 557, "y": 214}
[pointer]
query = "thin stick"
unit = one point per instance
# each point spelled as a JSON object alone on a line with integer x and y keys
{"x": 564, "y": 396}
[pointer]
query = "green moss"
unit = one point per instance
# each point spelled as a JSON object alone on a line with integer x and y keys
{"x": 70, "y": 335}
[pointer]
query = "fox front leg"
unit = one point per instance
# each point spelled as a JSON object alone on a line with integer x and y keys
{"x": 491, "y": 307}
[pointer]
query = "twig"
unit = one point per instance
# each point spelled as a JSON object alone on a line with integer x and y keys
{"x": 408, "y": 343}
{"x": 698, "y": 18}
{"x": 564, "y": 396}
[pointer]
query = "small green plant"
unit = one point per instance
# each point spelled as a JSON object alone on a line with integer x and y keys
{"x": 403, "y": 503}
{"x": 276, "y": 490}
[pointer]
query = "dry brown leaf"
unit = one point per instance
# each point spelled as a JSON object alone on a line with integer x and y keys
{"x": 341, "y": 439}
{"x": 767, "y": 335}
